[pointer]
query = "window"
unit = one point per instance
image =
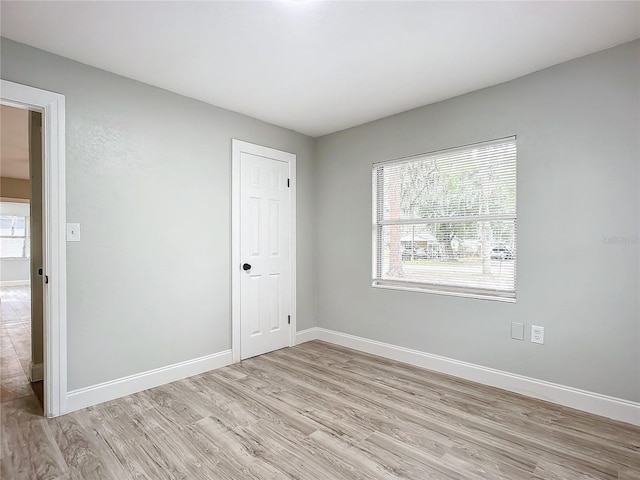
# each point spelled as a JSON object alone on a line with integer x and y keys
{"x": 445, "y": 222}
{"x": 14, "y": 230}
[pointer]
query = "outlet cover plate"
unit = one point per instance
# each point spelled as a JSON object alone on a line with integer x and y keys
{"x": 537, "y": 334}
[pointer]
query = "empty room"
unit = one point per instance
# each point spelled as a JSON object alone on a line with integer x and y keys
{"x": 320, "y": 240}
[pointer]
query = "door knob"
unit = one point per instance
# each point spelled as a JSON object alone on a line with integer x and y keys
{"x": 40, "y": 271}
{"x": 246, "y": 267}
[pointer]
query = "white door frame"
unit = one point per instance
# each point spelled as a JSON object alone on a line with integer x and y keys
{"x": 238, "y": 147}
{"x": 52, "y": 107}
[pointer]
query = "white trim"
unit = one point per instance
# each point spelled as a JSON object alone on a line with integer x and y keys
{"x": 237, "y": 147}
{"x": 293, "y": 248}
{"x": 606, "y": 406}
{"x": 104, "y": 392}
{"x": 14, "y": 283}
{"x": 429, "y": 288}
{"x": 235, "y": 250}
{"x": 36, "y": 372}
{"x": 306, "y": 335}
{"x": 52, "y": 106}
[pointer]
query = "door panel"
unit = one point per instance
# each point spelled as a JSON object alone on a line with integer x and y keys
{"x": 265, "y": 288}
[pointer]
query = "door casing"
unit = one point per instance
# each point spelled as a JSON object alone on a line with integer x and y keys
{"x": 52, "y": 107}
{"x": 238, "y": 147}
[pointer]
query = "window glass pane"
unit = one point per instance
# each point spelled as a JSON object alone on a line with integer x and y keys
{"x": 12, "y": 226}
{"x": 451, "y": 254}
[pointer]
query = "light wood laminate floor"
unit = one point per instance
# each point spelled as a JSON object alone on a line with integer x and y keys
{"x": 15, "y": 343}
{"x": 317, "y": 411}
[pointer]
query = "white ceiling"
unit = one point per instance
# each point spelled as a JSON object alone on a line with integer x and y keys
{"x": 318, "y": 67}
{"x": 14, "y": 142}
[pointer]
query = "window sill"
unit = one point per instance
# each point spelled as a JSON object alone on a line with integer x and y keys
{"x": 444, "y": 291}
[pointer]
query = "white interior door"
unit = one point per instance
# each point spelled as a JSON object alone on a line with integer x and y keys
{"x": 265, "y": 253}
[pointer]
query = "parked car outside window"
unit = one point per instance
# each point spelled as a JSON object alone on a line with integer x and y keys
{"x": 501, "y": 252}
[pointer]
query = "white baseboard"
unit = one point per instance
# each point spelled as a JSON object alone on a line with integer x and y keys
{"x": 603, "y": 405}
{"x": 306, "y": 335}
{"x": 36, "y": 372}
{"x": 14, "y": 283}
{"x": 104, "y": 392}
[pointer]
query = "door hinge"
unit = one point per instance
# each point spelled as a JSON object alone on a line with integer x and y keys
{"x": 289, "y": 319}
{"x": 288, "y": 182}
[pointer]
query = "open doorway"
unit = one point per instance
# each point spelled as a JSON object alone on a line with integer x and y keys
{"x": 21, "y": 255}
{"x": 53, "y": 274}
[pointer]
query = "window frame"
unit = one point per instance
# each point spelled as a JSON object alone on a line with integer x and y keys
{"x": 378, "y": 222}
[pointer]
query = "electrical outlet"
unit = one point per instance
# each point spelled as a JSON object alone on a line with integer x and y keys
{"x": 537, "y": 334}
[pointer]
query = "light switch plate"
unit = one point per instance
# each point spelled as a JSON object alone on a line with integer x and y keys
{"x": 73, "y": 232}
{"x": 517, "y": 331}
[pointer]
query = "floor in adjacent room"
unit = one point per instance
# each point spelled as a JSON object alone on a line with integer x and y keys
{"x": 15, "y": 344}
{"x": 317, "y": 411}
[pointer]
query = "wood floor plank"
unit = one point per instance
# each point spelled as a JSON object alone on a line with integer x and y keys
{"x": 369, "y": 466}
{"x": 85, "y": 457}
{"x": 433, "y": 466}
{"x": 295, "y": 455}
{"x": 627, "y": 473}
{"x": 232, "y": 449}
{"x": 172, "y": 439}
{"x": 34, "y": 455}
{"x": 550, "y": 470}
{"x": 129, "y": 405}
{"x": 486, "y": 463}
{"x": 179, "y": 402}
{"x": 133, "y": 448}
{"x": 273, "y": 409}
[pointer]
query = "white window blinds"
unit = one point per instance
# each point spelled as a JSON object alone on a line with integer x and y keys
{"x": 446, "y": 221}
{"x": 14, "y": 230}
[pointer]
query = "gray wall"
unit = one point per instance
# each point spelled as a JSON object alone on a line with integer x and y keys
{"x": 578, "y": 131}
{"x": 14, "y": 270}
{"x": 144, "y": 292}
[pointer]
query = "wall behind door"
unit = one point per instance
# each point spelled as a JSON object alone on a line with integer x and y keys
{"x": 14, "y": 126}
{"x": 15, "y": 189}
